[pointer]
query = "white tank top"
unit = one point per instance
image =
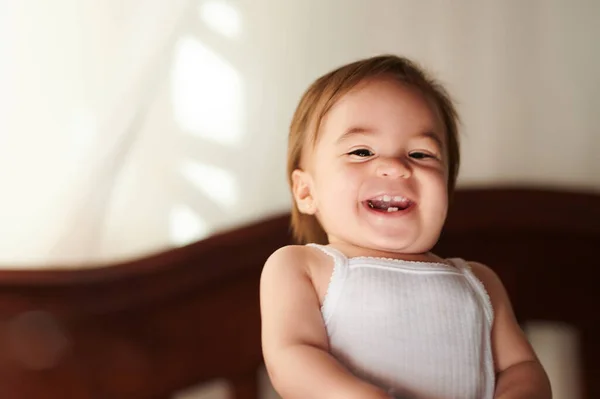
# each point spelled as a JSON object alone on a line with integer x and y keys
{"x": 416, "y": 329}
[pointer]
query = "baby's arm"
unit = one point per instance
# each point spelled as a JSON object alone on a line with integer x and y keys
{"x": 294, "y": 340}
{"x": 519, "y": 372}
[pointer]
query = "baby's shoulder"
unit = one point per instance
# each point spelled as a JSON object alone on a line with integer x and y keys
{"x": 491, "y": 282}
{"x": 293, "y": 266}
{"x": 295, "y": 256}
{"x": 291, "y": 253}
{"x": 483, "y": 272}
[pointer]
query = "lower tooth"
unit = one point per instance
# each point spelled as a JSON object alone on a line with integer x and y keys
{"x": 392, "y": 209}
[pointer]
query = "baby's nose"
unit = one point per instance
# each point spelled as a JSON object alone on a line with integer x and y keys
{"x": 393, "y": 168}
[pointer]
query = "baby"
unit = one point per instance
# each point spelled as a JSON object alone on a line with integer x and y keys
{"x": 364, "y": 309}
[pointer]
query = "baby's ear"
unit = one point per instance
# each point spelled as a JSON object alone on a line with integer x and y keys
{"x": 302, "y": 192}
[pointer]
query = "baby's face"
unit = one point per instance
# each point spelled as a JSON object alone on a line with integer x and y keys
{"x": 378, "y": 174}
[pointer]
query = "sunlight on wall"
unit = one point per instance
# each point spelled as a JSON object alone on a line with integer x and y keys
{"x": 206, "y": 93}
{"x": 206, "y": 96}
{"x": 221, "y": 16}
{"x": 217, "y": 184}
{"x": 185, "y": 226}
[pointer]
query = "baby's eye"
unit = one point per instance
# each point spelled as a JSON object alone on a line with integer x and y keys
{"x": 361, "y": 152}
{"x": 420, "y": 155}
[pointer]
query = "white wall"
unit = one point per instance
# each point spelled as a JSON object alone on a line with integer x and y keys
{"x": 210, "y": 152}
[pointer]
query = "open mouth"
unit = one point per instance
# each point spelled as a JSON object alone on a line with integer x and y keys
{"x": 388, "y": 203}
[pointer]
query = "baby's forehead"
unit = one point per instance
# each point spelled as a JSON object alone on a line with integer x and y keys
{"x": 383, "y": 104}
{"x": 371, "y": 92}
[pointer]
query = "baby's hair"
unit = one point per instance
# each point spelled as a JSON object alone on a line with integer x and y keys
{"x": 328, "y": 89}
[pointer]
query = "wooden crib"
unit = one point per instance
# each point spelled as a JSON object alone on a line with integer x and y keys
{"x": 148, "y": 328}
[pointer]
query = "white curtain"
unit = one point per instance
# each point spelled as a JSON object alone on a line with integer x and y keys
{"x": 78, "y": 78}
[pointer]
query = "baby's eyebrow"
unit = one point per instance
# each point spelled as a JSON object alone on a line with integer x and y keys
{"x": 434, "y": 137}
{"x": 355, "y": 131}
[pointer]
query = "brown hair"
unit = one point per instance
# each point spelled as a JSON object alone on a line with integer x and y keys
{"x": 328, "y": 89}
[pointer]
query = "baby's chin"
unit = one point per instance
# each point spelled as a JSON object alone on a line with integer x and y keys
{"x": 395, "y": 245}
{"x": 395, "y": 248}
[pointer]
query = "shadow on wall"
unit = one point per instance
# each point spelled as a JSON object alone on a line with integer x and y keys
{"x": 207, "y": 105}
